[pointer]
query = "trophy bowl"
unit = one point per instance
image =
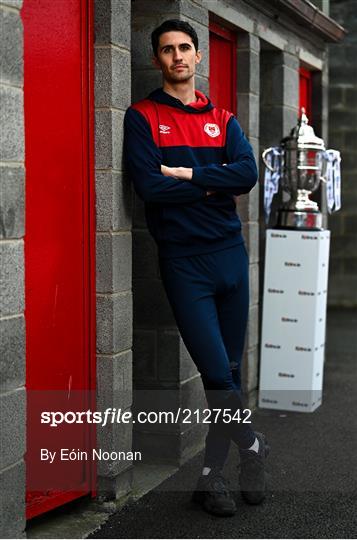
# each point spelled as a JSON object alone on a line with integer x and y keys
{"x": 301, "y": 169}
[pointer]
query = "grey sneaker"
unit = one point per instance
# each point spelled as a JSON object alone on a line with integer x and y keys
{"x": 252, "y": 477}
{"x": 213, "y": 494}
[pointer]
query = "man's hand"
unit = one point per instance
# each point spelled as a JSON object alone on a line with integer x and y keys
{"x": 180, "y": 173}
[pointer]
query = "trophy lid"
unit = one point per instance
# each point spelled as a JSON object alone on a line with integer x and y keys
{"x": 304, "y": 135}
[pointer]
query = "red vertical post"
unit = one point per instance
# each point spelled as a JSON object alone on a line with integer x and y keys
{"x": 59, "y": 243}
{"x": 305, "y": 92}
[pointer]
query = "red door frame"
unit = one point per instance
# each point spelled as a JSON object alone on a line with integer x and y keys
{"x": 47, "y": 502}
{"x": 229, "y": 37}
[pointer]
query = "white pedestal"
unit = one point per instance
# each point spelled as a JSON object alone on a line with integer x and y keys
{"x": 294, "y": 319}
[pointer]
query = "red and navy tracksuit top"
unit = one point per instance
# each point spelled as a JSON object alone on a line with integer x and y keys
{"x": 182, "y": 218}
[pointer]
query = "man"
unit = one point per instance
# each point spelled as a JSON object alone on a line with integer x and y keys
{"x": 188, "y": 161}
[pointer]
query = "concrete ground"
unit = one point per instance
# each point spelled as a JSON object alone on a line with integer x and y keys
{"x": 312, "y": 467}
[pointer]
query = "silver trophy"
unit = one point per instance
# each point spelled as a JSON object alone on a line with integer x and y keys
{"x": 299, "y": 164}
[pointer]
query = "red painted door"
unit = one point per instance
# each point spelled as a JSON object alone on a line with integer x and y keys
{"x": 59, "y": 245}
{"x": 305, "y": 92}
{"x": 223, "y": 67}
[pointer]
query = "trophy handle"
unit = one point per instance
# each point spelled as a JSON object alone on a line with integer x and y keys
{"x": 264, "y": 154}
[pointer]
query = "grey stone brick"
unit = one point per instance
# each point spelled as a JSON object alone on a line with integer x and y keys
{"x": 112, "y": 22}
{"x": 145, "y": 354}
{"x": 248, "y": 72}
{"x": 290, "y": 118}
{"x": 11, "y": 46}
{"x": 109, "y": 139}
{"x": 187, "y": 366}
{"x": 12, "y": 501}
{"x": 192, "y": 441}
{"x": 12, "y": 3}
{"x": 12, "y": 129}
{"x": 336, "y": 139}
{"x": 11, "y": 277}
{"x": 291, "y": 87}
{"x": 351, "y": 97}
{"x": 112, "y": 77}
{"x": 145, "y": 81}
{"x": 168, "y": 355}
{"x": 157, "y": 401}
{"x": 159, "y": 448}
{"x": 114, "y": 438}
{"x": 336, "y": 224}
{"x": 173, "y": 359}
{"x": 279, "y": 81}
{"x": 12, "y": 202}
{"x": 113, "y": 201}
{"x": 271, "y": 125}
{"x": 343, "y": 247}
{"x": 248, "y": 105}
{"x": 336, "y": 266}
{"x": 145, "y": 261}
{"x": 343, "y": 119}
{"x": 350, "y": 226}
{"x": 248, "y": 205}
{"x": 250, "y": 370}
{"x": 195, "y": 12}
{"x": 256, "y": 149}
{"x": 202, "y": 84}
{"x": 151, "y": 307}
{"x": 252, "y": 399}
{"x": 349, "y": 161}
{"x": 12, "y": 422}
{"x": 254, "y": 283}
{"x": 253, "y": 327}
{"x": 145, "y": 17}
{"x": 251, "y": 235}
{"x": 147, "y": 10}
{"x": 291, "y": 61}
{"x": 202, "y": 68}
{"x": 248, "y": 41}
{"x": 113, "y": 262}
{"x": 12, "y": 353}
{"x": 339, "y": 292}
{"x": 351, "y": 267}
{"x": 142, "y": 50}
{"x": 114, "y": 322}
{"x": 115, "y": 487}
{"x": 336, "y": 97}
{"x": 192, "y": 397}
{"x": 114, "y": 381}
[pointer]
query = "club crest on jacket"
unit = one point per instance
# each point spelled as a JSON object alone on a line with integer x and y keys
{"x": 212, "y": 130}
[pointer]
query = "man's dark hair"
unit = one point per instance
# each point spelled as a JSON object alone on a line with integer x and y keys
{"x": 173, "y": 25}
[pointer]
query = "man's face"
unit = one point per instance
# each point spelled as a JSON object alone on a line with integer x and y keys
{"x": 177, "y": 57}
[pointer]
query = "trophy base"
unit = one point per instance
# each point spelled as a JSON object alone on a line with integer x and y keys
{"x": 305, "y": 220}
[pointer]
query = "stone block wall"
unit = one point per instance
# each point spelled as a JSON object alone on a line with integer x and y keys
{"x": 113, "y": 238}
{"x": 343, "y": 136}
{"x": 164, "y": 376}
{"x": 248, "y": 91}
{"x": 12, "y": 299}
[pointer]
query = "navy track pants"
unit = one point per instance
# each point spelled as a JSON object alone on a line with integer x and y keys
{"x": 209, "y": 296}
